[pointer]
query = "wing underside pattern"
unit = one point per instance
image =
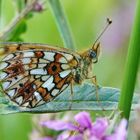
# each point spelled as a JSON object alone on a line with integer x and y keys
{"x": 33, "y": 77}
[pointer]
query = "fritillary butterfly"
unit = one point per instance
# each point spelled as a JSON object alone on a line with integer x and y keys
{"x": 34, "y": 74}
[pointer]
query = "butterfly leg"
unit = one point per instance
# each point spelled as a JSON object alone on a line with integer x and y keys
{"x": 94, "y": 81}
{"x": 71, "y": 95}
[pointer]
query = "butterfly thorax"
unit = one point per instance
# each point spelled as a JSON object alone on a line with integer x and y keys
{"x": 84, "y": 69}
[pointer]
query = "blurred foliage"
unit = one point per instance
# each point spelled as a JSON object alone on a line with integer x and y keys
{"x": 87, "y": 18}
{"x": 15, "y": 127}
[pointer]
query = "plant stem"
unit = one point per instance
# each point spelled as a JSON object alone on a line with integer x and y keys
{"x": 62, "y": 23}
{"x": 131, "y": 68}
{"x": 16, "y": 20}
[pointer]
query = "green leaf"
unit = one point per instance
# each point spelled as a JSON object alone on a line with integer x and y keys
{"x": 3, "y": 100}
{"x": 84, "y": 98}
{"x": 16, "y": 33}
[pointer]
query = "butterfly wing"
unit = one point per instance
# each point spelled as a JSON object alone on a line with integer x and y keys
{"x": 32, "y": 75}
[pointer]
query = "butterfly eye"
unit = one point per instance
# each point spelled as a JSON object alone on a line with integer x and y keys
{"x": 92, "y": 54}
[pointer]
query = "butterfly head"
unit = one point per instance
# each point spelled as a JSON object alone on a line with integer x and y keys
{"x": 94, "y": 52}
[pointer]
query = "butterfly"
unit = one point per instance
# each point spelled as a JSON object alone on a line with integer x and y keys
{"x": 34, "y": 74}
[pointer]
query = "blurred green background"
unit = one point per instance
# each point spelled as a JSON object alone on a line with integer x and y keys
{"x": 86, "y": 18}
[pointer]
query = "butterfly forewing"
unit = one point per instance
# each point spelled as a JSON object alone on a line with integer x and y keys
{"x": 33, "y": 74}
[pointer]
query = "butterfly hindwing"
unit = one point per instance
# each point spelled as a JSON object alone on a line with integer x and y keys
{"x": 31, "y": 77}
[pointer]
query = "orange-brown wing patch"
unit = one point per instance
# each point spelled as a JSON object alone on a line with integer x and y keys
{"x": 39, "y": 54}
{"x": 15, "y": 69}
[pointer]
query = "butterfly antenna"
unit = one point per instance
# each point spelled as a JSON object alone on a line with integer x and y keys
{"x": 109, "y": 21}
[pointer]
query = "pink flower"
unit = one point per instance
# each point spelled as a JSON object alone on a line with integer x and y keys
{"x": 120, "y": 132}
{"x": 83, "y": 128}
{"x": 99, "y": 128}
